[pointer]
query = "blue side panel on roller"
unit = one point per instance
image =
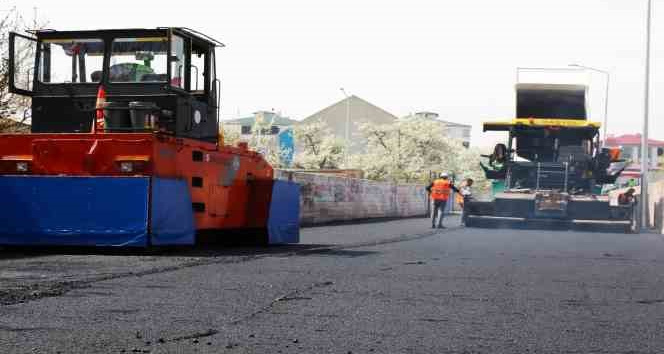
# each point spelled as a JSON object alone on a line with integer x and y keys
{"x": 74, "y": 211}
{"x": 172, "y": 217}
{"x": 283, "y": 224}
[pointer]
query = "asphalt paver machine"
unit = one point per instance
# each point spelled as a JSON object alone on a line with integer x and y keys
{"x": 550, "y": 171}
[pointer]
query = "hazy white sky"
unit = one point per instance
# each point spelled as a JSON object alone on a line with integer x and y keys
{"x": 457, "y": 58}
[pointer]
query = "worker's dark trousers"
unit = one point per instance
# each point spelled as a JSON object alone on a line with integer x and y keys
{"x": 438, "y": 212}
{"x": 464, "y": 213}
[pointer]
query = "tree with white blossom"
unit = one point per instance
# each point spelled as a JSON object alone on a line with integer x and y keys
{"x": 409, "y": 150}
{"x": 404, "y": 151}
{"x": 316, "y": 147}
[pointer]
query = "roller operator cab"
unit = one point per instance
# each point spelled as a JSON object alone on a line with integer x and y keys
{"x": 125, "y": 149}
{"x": 550, "y": 171}
{"x": 166, "y": 75}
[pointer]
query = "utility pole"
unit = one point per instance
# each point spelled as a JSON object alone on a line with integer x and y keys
{"x": 645, "y": 215}
{"x": 347, "y": 133}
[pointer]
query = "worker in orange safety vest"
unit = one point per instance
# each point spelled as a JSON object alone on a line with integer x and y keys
{"x": 440, "y": 191}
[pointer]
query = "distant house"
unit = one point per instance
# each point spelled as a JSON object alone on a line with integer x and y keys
{"x": 631, "y": 148}
{"x": 630, "y": 145}
{"x": 355, "y": 111}
{"x": 272, "y": 124}
{"x": 453, "y": 130}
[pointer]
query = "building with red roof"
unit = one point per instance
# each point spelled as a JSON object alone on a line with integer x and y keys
{"x": 630, "y": 144}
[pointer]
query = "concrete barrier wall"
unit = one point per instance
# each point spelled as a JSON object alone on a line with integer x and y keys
{"x": 327, "y": 198}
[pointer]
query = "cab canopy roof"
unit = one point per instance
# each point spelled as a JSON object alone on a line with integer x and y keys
{"x": 539, "y": 123}
{"x": 94, "y": 46}
{"x": 128, "y": 32}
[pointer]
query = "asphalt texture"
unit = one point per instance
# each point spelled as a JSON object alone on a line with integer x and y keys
{"x": 386, "y": 287}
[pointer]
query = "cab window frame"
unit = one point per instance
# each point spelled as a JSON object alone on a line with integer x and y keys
{"x": 208, "y": 77}
{"x": 180, "y": 88}
{"x": 110, "y": 54}
{"x": 39, "y": 58}
{"x": 203, "y": 71}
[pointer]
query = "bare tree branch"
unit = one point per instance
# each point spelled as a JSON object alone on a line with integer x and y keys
{"x": 14, "y": 109}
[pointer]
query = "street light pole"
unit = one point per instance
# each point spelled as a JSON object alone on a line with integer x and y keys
{"x": 644, "y": 137}
{"x": 606, "y": 97}
{"x": 347, "y": 133}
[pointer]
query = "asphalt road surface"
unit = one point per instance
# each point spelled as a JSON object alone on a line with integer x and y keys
{"x": 388, "y": 287}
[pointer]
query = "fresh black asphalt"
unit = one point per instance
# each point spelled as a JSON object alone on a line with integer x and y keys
{"x": 390, "y": 287}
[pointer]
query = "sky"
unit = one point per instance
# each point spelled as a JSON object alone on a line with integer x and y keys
{"x": 456, "y": 58}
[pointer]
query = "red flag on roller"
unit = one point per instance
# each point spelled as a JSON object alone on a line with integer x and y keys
{"x": 99, "y": 117}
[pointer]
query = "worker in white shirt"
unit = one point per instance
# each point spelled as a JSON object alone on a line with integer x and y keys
{"x": 465, "y": 194}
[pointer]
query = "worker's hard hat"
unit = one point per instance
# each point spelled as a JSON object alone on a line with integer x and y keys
{"x": 444, "y": 175}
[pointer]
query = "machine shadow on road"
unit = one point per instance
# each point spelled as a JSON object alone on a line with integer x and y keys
{"x": 553, "y": 225}
{"x": 375, "y": 220}
{"x": 274, "y": 250}
{"x": 198, "y": 251}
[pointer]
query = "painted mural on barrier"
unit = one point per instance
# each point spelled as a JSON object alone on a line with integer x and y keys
{"x": 326, "y": 198}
